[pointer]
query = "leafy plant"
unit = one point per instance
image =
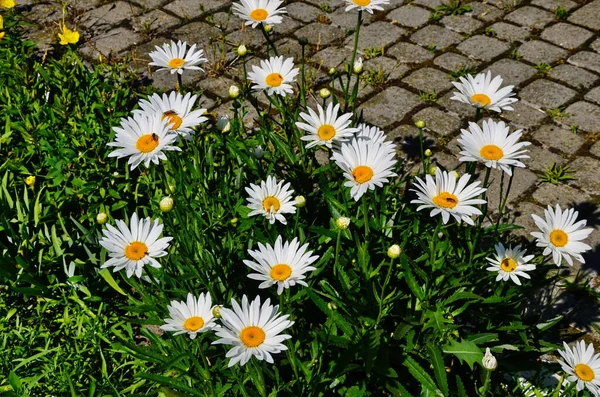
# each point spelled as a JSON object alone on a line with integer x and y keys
{"x": 454, "y": 7}
{"x": 556, "y": 174}
{"x": 428, "y": 96}
{"x": 372, "y": 52}
{"x": 462, "y": 71}
{"x": 557, "y": 113}
{"x": 375, "y": 77}
{"x": 561, "y": 13}
{"x": 543, "y": 68}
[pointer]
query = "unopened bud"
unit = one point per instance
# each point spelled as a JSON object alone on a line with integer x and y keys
{"x": 223, "y": 124}
{"x": 489, "y": 361}
{"x": 234, "y": 221}
{"x": 216, "y": 311}
{"x": 268, "y": 28}
{"x": 101, "y": 218}
{"x": 303, "y": 40}
{"x": 258, "y": 152}
{"x": 234, "y": 91}
{"x": 166, "y": 204}
{"x": 30, "y": 180}
{"x": 428, "y": 153}
{"x": 454, "y": 174}
{"x": 432, "y": 170}
{"x": 242, "y": 50}
{"x": 342, "y": 222}
{"x": 300, "y": 201}
{"x": 324, "y": 93}
{"x": 394, "y": 251}
{"x": 358, "y": 66}
{"x": 332, "y": 306}
{"x": 332, "y": 71}
{"x": 420, "y": 124}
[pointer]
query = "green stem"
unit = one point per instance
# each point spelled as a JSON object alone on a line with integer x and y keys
{"x": 365, "y": 209}
{"x": 385, "y": 284}
{"x": 303, "y": 86}
{"x": 505, "y": 199}
{"x": 477, "y": 114}
{"x": 422, "y": 152}
{"x": 337, "y": 252}
{"x": 269, "y": 42}
{"x": 351, "y": 67}
{"x": 179, "y": 87}
{"x": 433, "y": 245}
{"x": 486, "y": 383}
{"x": 207, "y": 369}
{"x": 484, "y": 207}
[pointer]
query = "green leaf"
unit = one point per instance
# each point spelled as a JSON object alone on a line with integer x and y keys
{"x": 435, "y": 320}
{"x": 478, "y": 339}
{"x": 107, "y": 276}
{"x": 14, "y": 381}
{"x": 410, "y": 279}
{"x": 550, "y": 323}
{"x": 465, "y": 351}
{"x": 461, "y": 388}
{"x": 165, "y": 380}
{"x": 439, "y": 369}
{"x": 421, "y": 376}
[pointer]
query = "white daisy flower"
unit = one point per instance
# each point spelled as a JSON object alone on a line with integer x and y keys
{"x": 561, "y": 235}
{"x": 366, "y": 164}
{"x": 193, "y": 317}
{"x": 274, "y": 76}
{"x": 374, "y": 134}
{"x": 271, "y": 199}
{"x": 366, "y": 5}
{"x": 582, "y": 366}
{"x": 284, "y": 264}
{"x": 132, "y": 247}
{"x": 510, "y": 263}
{"x": 252, "y": 330}
{"x": 176, "y": 109}
{"x": 448, "y": 196}
{"x": 483, "y": 92}
{"x": 259, "y": 11}
{"x": 326, "y": 127}
{"x": 174, "y": 57}
{"x": 493, "y": 145}
{"x": 143, "y": 138}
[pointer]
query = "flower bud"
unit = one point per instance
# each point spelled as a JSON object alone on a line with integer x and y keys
{"x": 300, "y": 201}
{"x": 394, "y": 251}
{"x": 428, "y": 153}
{"x": 172, "y": 187}
{"x": 342, "y": 222}
{"x": 420, "y": 124}
{"x": 258, "y": 152}
{"x": 101, "y": 218}
{"x": 358, "y": 66}
{"x": 242, "y": 50}
{"x": 223, "y": 124}
{"x": 332, "y": 71}
{"x": 234, "y": 91}
{"x": 234, "y": 221}
{"x": 489, "y": 361}
{"x": 332, "y": 306}
{"x": 268, "y": 28}
{"x": 454, "y": 174}
{"x": 303, "y": 40}
{"x": 216, "y": 311}
{"x": 324, "y": 93}
{"x": 432, "y": 169}
{"x": 166, "y": 204}
{"x": 30, "y": 180}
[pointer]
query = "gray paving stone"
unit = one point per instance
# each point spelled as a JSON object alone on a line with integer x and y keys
{"x": 319, "y": 34}
{"x": 483, "y": 47}
{"x": 593, "y": 95}
{"x": 510, "y": 33}
{"x": 290, "y": 48}
{"x": 587, "y": 16}
{"x": 154, "y": 22}
{"x": 512, "y": 72}
{"x": 110, "y": 14}
{"x": 586, "y": 59}
{"x": 409, "y": 53}
{"x": 536, "y": 51}
{"x": 586, "y": 173}
{"x": 303, "y": 12}
{"x": 485, "y": 12}
{"x": 377, "y": 35}
{"x": 521, "y": 215}
{"x": 115, "y": 41}
{"x": 347, "y": 20}
{"x": 454, "y": 62}
{"x": 542, "y": 159}
{"x": 437, "y": 36}
{"x": 218, "y": 86}
{"x": 224, "y": 21}
{"x": 566, "y": 35}
{"x": 394, "y": 68}
{"x": 531, "y": 17}
{"x": 524, "y": 116}
{"x": 574, "y": 76}
{"x": 461, "y": 23}
{"x": 251, "y": 38}
{"x": 547, "y": 94}
{"x": 189, "y": 10}
{"x": 390, "y": 106}
{"x": 438, "y": 121}
{"x": 552, "y": 5}
{"x": 558, "y": 138}
{"x": 461, "y": 109}
{"x": 206, "y": 37}
{"x": 410, "y": 16}
{"x": 286, "y": 26}
{"x": 595, "y": 149}
{"x": 146, "y": 5}
{"x": 332, "y": 57}
{"x": 596, "y": 45}
{"x": 585, "y": 116}
{"x": 428, "y": 80}
{"x": 566, "y": 196}
{"x": 429, "y": 3}
{"x": 523, "y": 180}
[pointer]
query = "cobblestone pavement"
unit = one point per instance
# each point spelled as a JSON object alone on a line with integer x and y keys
{"x": 548, "y": 49}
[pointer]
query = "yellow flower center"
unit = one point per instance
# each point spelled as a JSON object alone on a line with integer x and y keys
{"x": 260, "y": 14}
{"x": 193, "y": 323}
{"x": 362, "y": 173}
{"x": 147, "y": 143}
{"x": 326, "y": 132}
{"x": 445, "y": 200}
{"x": 136, "y": 251}
{"x": 271, "y": 204}
{"x": 508, "y": 265}
{"x": 280, "y": 272}
{"x": 274, "y": 80}
{"x": 559, "y": 238}
{"x": 174, "y": 120}
{"x": 252, "y": 336}
{"x": 176, "y": 63}
{"x": 584, "y": 372}
{"x": 491, "y": 152}
{"x": 362, "y": 3}
{"x": 481, "y": 99}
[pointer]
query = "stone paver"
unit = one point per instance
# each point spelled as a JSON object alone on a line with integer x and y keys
{"x": 587, "y": 16}
{"x": 483, "y": 47}
{"x": 438, "y": 121}
{"x": 587, "y": 60}
{"x": 531, "y": 17}
{"x": 566, "y": 35}
{"x": 512, "y": 72}
{"x": 510, "y": 33}
{"x": 390, "y": 106}
{"x": 584, "y": 115}
{"x": 576, "y": 77}
{"x": 547, "y": 94}
{"x": 588, "y": 177}
{"x": 433, "y": 35}
{"x": 593, "y": 95}
{"x": 428, "y": 80}
{"x": 377, "y": 35}
{"x": 410, "y": 53}
{"x": 453, "y": 62}
{"x": 536, "y": 51}
{"x": 461, "y": 23}
{"x": 410, "y": 16}
{"x": 562, "y": 139}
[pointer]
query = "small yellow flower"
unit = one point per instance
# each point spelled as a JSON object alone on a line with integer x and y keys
{"x": 7, "y": 3}
{"x": 1, "y": 27}
{"x": 30, "y": 180}
{"x": 67, "y": 36}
